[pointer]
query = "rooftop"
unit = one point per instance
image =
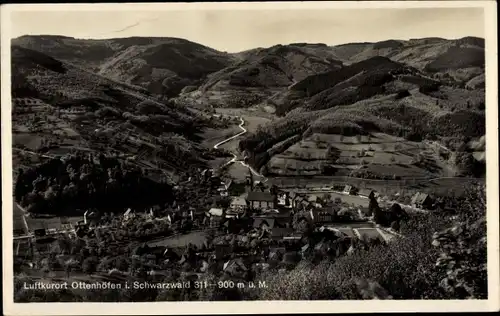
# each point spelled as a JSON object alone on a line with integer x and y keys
{"x": 238, "y": 201}
{"x": 419, "y": 198}
{"x": 260, "y": 196}
{"x": 259, "y": 221}
{"x": 216, "y": 211}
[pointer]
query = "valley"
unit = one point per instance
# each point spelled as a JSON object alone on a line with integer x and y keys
{"x": 160, "y": 159}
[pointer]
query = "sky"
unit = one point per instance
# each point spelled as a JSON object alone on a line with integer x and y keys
{"x": 239, "y": 30}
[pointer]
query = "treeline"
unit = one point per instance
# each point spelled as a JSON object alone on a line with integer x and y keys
{"x": 63, "y": 186}
{"x": 258, "y": 143}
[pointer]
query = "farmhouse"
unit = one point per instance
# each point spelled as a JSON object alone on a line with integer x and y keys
{"x": 315, "y": 201}
{"x": 216, "y": 212}
{"x": 261, "y": 200}
{"x": 294, "y": 199}
{"x": 258, "y": 185}
{"x": 263, "y": 223}
{"x": 235, "y": 268}
{"x": 238, "y": 205}
{"x": 349, "y": 189}
{"x": 322, "y": 216}
{"x": 366, "y": 193}
{"x": 305, "y": 205}
{"x": 129, "y": 214}
{"x": 421, "y": 200}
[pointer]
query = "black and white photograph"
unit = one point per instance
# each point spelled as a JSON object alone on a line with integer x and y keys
{"x": 321, "y": 153}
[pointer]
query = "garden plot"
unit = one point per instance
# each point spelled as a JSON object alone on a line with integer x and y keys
{"x": 285, "y": 166}
{"x": 402, "y": 171}
{"x": 385, "y": 154}
{"x": 391, "y": 158}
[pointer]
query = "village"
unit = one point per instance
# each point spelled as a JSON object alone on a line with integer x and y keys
{"x": 252, "y": 227}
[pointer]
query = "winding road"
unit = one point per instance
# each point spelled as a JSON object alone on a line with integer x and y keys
{"x": 235, "y": 157}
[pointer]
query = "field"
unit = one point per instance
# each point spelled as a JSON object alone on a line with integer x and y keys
{"x": 378, "y": 153}
{"x": 439, "y": 186}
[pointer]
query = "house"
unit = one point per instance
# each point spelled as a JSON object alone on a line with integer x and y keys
{"x": 216, "y": 212}
{"x": 238, "y": 205}
{"x": 214, "y": 217}
{"x": 305, "y": 250}
{"x": 338, "y": 188}
{"x": 261, "y": 200}
{"x": 421, "y": 200}
{"x": 294, "y": 199}
{"x": 259, "y": 186}
{"x": 322, "y": 216}
{"x": 283, "y": 199}
{"x": 225, "y": 187}
{"x": 90, "y": 216}
{"x": 235, "y": 268}
{"x": 129, "y": 214}
{"x": 206, "y": 174}
{"x": 277, "y": 253}
{"x": 315, "y": 201}
{"x": 263, "y": 223}
{"x": 228, "y": 184}
{"x": 349, "y": 189}
{"x": 305, "y": 205}
{"x": 366, "y": 193}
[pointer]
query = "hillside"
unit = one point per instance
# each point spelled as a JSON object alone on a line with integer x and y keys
{"x": 261, "y": 72}
{"x": 161, "y": 65}
{"x": 59, "y": 108}
{"x": 418, "y": 90}
{"x": 392, "y": 92}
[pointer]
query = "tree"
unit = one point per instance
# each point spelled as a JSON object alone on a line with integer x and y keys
{"x": 465, "y": 162}
{"x": 463, "y": 256}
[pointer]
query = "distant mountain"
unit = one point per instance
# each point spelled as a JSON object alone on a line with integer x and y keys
{"x": 433, "y": 54}
{"x": 275, "y": 77}
{"x": 161, "y": 65}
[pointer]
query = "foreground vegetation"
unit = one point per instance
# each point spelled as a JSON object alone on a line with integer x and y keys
{"x": 429, "y": 263}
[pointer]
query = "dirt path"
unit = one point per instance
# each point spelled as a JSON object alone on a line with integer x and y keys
{"x": 235, "y": 157}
